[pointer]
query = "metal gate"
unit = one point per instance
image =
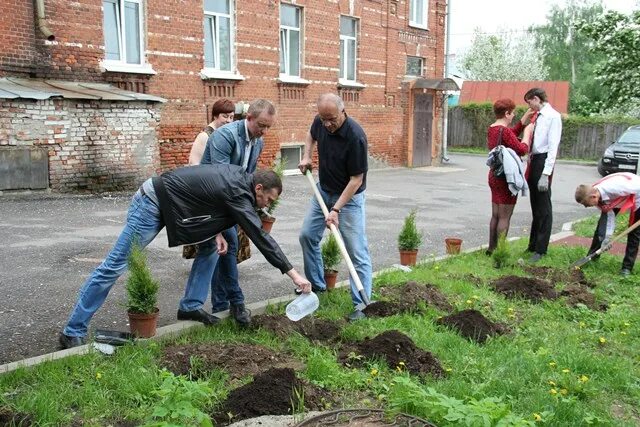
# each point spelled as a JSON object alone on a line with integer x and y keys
{"x": 422, "y": 122}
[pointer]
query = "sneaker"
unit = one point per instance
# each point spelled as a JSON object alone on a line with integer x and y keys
{"x": 625, "y": 272}
{"x": 199, "y": 316}
{"x": 69, "y": 342}
{"x": 356, "y": 315}
{"x": 241, "y": 314}
{"x": 535, "y": 257}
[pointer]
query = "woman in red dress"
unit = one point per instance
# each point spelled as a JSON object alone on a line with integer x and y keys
{"x": 502, "y": 201}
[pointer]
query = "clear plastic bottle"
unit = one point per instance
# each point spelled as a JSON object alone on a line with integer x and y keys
{"x": 302, "y": 306}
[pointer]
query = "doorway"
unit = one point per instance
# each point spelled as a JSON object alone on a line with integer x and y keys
{"x": 422, "y": 122}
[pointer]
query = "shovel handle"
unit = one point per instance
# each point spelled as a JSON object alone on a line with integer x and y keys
{"x": 336, "y": 233}
{"x": 586, "y": 259}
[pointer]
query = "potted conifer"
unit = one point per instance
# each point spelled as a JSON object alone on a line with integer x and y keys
{"x": 331, "y": 259}
{"x": 266, "y": 214}
{"x": 409, "y": 240}
{"x": 142, "y": 295}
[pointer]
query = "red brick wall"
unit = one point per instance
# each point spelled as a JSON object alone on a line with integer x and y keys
{"x": 174, "y": 48}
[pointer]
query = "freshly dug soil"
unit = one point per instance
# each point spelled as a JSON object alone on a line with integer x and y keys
{"x": 238, "y": 359}
{"x": 12, "y": 418}
{"x": 578, "y": 294}
{"x": 382, "y": 309}
{"x": 409, "y": 295}
{"x": 473, "y": 325}
{"x": 556, "y": 275}
{"x": 397, "y": 349}
{"x": 272, "y": 392}
{"x": 534, "y": 290}
{"x": 311, "y": 327}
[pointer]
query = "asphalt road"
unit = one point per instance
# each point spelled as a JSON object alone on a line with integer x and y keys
{"x": 50, "y": 243}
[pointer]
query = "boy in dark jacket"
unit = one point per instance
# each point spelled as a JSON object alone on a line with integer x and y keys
{"x": 195, "y": 204}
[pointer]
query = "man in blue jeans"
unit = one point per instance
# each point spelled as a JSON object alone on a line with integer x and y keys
{"x": 195, "y": 204}
{"x": 342, "y": 163}
{"x": 238, "y": 143}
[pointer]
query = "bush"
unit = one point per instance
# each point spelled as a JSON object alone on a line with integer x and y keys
{"x": 409, "y": 238}
{"x": 142, "y": 289}
{"x": 330, "y": 253}
{"x": 501, "y": 253}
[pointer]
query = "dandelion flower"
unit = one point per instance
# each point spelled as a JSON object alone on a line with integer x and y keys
{"x": 623, "y": 333}
{"x": 510, "y": 310}
{"x": 602, "y": 340}
{"x": 552, "y": 383}
{"x": 437, "y": 267}
{"x": 553, "y": 391}
{"x": 469, "y": 301}
{"x": 374, "y": 372}
{"x": 564, "y": 391}
{"x": 552, "y": 364}
{"x": 475, "y": 297}
{"x": 582, "y": 324}
{"x": 537, "y": 416}
{"x": 98, "y": 375}
{"x": 627, "y": 324}
{"x": 448, "y": 369}
{"x": 565, "y": 371}
{"x": 584, "y": 378}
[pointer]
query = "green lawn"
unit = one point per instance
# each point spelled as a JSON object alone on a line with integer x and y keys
{"x": 559, "y": 366}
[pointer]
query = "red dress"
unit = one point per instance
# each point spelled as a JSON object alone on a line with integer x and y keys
{"x": 500, "y": 193}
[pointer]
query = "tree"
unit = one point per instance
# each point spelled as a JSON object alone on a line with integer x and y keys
{"x": 500, "y": 58}
{"x": 566, "y": 52}
{"x": 617, "y": 38}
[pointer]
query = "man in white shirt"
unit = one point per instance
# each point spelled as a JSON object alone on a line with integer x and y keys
{"x": 614, "y": 194}
{"x": 544, "y": 148}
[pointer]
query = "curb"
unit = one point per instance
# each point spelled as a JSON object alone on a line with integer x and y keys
{"x": 256, "y": 308}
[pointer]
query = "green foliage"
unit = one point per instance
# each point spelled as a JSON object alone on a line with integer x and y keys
{"x": 330, "y": 252}
{"x": 142, "y": 289}
{"x": 278, "y": 167}
{"x": 409, "y": 238}
{"x": 501, "y": 253}
{"x": 180, "y": 400}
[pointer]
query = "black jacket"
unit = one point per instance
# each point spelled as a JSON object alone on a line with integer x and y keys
{"x": 198, "y": 202}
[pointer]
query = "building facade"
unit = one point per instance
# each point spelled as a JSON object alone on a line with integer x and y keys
{"x": 192, "y": 52}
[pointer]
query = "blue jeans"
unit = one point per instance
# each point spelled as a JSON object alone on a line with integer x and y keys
{"x": 143, "y": 225}
{"x": 352, "y": 228}
{"x": 225, "y": 288}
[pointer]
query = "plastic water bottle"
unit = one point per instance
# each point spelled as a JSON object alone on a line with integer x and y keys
{"x": 304, "y": 305}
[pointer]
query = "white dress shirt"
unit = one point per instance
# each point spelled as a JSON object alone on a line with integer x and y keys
{"x": 546, "y": 136}
{"x": 618, "y": 185}
{"x": 247, "y": 148}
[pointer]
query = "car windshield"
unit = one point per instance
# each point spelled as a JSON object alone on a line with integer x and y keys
{"x": 630, "y": 137}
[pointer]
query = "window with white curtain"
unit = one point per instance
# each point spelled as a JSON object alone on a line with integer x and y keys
{"x": 418, "y": 13}
{"x": 218, "y": 34}
{"x": 290, "y": 48}
{"x": 348, "y": 48}
{"x": 123, "y": 23}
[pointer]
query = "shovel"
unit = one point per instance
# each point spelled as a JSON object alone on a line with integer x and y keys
{"x": 583, "y": 261}
{"x": 343, "y": 248}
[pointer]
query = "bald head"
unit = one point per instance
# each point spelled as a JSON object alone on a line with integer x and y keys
{"x": 331, "y": 98}
{"x": 331, "y": 111}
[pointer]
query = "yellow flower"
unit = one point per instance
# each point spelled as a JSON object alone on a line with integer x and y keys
{"x": 510, "y": 310}
{"x": 565, "y": 371}
{"x": 584, "y": 378}
{"x": 623, "y": 333}
{"x": 552, "y": 383}
{"x": 401, "y": 363}
{"x": 553, "y": 391}
{"x": 602, "y": 340}
{"x": 564, "y": 391}
{"x": 98, "y": 375}
{"x": 437, "y": 267}
{"x": 582, "y": 324}
{"x": 475, "y": 297}
{"x": 627, "y": 324}
{"x": 469, "y": 301}
{"x": 552, "y": 364}
{"x": 537, "y": 416}
{"x": 374, "y": 372}
{"x": 448, "y": 369}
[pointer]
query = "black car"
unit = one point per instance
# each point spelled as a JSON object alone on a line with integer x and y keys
{"x": 622, "y": 155}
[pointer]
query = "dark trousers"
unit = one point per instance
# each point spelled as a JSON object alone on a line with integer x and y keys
{"x": 541, "y": 209}
{"x": 633, "y": 240}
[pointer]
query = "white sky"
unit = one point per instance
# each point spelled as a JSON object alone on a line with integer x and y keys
{"x": 494, "y": 15}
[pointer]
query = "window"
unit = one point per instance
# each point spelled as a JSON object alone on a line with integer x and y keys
{"x": 348, "y": 48}
{"x": 289, "y": 40}
{"x": 414, "y": 66}
{"x": 291, "y": 157}
{"x": 122, "y": 23}
{"x": 418, "y": 13}
{"x": 217, "y": 34}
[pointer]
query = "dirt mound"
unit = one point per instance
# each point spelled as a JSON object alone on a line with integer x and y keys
{"x": 473, "y": 325}
{"x": 311, "y": 327}
{"x": 535, "y": 290}
{"x": 273, "y": 392}
{"x": 409, "y": 295}
{"x": 382, "y": 309}
{"x": 12, "y": 418}
{"x": 556, "y": 275}
{"x": 578, "y": 294}
{"x": 397, "y": 349}
{"x": 238, "y": 359}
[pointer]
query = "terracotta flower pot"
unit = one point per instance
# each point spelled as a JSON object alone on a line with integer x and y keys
{"x": 267, "y": 223}
{"x": 143, "y": 325}
{"x": 453, "y": 245}
{"x": 408, "y": 257}
{"x": 330, "y": 277}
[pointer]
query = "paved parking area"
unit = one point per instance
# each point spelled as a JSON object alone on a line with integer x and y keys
{"x": 51, "y": 243}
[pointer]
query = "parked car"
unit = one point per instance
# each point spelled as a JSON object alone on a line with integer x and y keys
{"x": 622, "y": 155}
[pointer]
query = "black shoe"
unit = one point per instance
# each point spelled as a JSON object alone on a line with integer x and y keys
{"x": 199, "y": 316}
{"x": 241, "y": 314}
{"x": 535, "y": 257}
{"x": 625, "y": 272}
{"x": 69, "y": 342}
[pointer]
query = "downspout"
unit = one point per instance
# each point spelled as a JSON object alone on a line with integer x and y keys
{"x": 42, "y": 21}
{"x": 445, "y": 106}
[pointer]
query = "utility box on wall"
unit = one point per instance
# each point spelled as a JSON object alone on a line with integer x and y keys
{"x": 24, "y": 168}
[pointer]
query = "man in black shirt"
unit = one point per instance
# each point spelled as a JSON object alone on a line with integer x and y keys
{"x": 342, "y": 162}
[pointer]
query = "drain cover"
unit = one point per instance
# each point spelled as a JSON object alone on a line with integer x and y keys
{"x": 363, "y": 418}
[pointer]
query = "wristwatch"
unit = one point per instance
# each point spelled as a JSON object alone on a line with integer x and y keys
{"x": 335, "y": 210}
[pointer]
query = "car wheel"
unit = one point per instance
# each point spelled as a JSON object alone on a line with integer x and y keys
{"x": 601, "y": 169}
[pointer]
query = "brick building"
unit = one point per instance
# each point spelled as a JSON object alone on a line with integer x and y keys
{"x": 384, "y": 57}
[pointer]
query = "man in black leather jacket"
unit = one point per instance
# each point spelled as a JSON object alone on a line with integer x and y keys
{"x": 195, "y": 204}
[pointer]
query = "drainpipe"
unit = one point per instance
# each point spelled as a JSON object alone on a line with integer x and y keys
{"x": 42, "y": 21}
{"x": 445, "y": 106}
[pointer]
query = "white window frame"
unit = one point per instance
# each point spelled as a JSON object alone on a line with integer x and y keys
{"x": 121, "y": 65}
{"x": 413, "y": 14}
{"x": 287, "y": 30}
{"x": 345, "y": 49}
{"x": 216, "y": 72}
{"x": 294, "y": 171}
{"x": 421, "y": 66}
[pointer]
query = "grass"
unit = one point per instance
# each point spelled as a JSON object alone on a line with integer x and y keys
{"x": 560, "y": 366}
{"x": 586, "y": 227}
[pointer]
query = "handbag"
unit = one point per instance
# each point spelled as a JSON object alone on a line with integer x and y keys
{"x": 495, "y": 158}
